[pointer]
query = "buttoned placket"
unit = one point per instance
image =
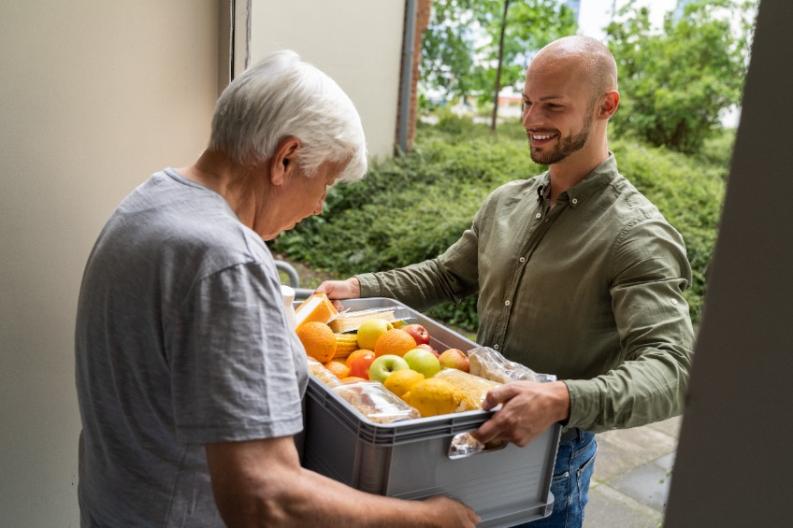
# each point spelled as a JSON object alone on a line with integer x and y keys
{"x": 538, "y": 227}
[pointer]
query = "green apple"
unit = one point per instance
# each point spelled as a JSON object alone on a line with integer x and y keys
{"x": 383, "y": 366}
{"x": 370, "y": 330}
{"x": 423, "y": 361}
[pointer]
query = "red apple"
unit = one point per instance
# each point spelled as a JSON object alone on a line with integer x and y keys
{"x": 418, "y": 333}
{"x": 429, "y": 347}
{"x": 454, "y": 358}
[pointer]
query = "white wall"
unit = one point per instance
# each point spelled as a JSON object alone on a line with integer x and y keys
{"x": 357, "y": 42}
{"x": 94, "y": 96}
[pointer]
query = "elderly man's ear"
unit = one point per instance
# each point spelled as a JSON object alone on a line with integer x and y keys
{"x": 609, "y": 103}
{"x": 283, "y": 163}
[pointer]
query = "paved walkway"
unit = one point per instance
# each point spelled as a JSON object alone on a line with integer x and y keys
{"x": 631, "y": 479}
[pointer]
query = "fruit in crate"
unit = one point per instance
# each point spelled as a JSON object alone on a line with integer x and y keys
{"x": 395, "y": 342}
{"x": 382, "y": 367}
{"x": 402, "y": 381}
{"x": 316, "y": 308}
{"x": 454, "y": 358}
{"x": 359, "y": 363}
{"x": 433, "y": 397}
{"x": 428, "y": 347}
{"x": 423, "y": 361}
{"x": 338, "y": 368}
{"x": 318, "y": 340}
{"x": 346, "y": 344}
{"x": 370, "y": 331}
{"x": 419, "y": 334}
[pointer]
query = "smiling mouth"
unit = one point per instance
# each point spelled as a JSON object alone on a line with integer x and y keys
{"x": 541, "y": 138}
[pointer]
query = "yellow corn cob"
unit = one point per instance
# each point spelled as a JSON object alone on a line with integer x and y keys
{"x": 346, "y": 344}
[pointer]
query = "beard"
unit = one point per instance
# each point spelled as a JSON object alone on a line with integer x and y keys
{"x": 566, "y": 145}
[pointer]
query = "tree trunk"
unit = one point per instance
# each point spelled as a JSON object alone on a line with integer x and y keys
{"x": 498, "y": 70}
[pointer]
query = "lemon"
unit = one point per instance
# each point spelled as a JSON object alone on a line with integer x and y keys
{"x": 401, "y": 381}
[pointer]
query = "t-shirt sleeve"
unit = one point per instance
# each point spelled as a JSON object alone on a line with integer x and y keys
{"x": 233, "y": 372}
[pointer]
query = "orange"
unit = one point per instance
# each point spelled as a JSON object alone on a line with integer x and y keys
{"x": 318, "y": 340}
{"x": 338, "y": 368}
{"x": 395, "y": 342}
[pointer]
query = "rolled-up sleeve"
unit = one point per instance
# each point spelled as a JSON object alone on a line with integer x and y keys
{"x": 650, "y": 272}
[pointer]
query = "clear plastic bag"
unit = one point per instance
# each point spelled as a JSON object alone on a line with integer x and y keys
{"x": 472, "y": 389}
{"x": 488, "y": 363}
{"x": 376, "y": 403}
{"x": 319, "y": 371}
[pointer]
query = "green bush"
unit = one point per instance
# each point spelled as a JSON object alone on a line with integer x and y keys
{"x": 413, "y": 207}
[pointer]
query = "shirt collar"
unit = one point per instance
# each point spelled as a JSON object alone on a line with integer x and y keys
{"x": 591, "y": 184}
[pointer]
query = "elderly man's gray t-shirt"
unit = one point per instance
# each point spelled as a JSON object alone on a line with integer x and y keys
{"x": 181, "y": 340}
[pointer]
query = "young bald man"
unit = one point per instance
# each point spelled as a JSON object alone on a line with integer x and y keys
{"x": 578, "y": 275}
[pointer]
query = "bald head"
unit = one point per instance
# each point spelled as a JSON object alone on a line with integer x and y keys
{"x": 585, "y": 57}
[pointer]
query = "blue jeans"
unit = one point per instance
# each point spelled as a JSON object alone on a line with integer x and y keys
{"x": 575, "y": 462}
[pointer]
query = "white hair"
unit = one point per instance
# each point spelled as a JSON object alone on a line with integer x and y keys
{"x": 283, "y": 96}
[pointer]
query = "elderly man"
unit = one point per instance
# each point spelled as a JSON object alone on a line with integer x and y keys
{"x": 578, "y": 274}
{"x": 189, "y": 378}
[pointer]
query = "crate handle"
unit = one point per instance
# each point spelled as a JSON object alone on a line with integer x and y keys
{"x": 464, "y": 445}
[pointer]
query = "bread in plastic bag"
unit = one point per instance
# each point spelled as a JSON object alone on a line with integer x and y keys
{"x": 488, "y": 363}
{"x": 473, "y": 389}
{"x": 376, "y": 403}
{"x": 319, "y": 371}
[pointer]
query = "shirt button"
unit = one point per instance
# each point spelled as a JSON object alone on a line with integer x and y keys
{"x": 495, "y": 346}
{"x": 507, "y": 302}
{"x": 522, "y": 259}
{"x": 538, "y": 215}
{"x": 575, "y": 201}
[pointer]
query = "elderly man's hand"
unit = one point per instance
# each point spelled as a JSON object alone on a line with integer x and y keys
{"x": 345, "y": 289}
{"x": 529, "y": 408}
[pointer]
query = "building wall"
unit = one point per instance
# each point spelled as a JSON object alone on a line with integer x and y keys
{"x": 95, "y": 96}
{"x": 357, "y": 42}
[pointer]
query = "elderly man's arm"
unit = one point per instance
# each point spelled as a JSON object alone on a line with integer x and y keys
{"x": 260, "y": 483}
{"x": 650, "y": 272}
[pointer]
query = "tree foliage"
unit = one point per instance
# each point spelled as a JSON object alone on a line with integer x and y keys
{"x": 460, "y": 46}
{"x": 676, "y": 83}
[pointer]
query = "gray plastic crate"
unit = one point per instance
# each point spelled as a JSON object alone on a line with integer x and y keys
{"x": 409, "y": 459}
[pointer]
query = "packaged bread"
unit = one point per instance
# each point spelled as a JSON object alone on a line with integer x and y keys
{"x": 488, "y": 363}
{"x": 472, "y": 389}
{"x": 319, "y": 371}
{"x": 376, "y": 403}
{"x": 316, "y": 308}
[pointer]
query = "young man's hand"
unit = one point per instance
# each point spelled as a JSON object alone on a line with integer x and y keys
{"x": 344, "y": 289}
{"x": 529, "y": 408}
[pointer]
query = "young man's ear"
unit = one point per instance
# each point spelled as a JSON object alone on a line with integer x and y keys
{"x": 284, "y": 160}
{"x": 609, "y": 104}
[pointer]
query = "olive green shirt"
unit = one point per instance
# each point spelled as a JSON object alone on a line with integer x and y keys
{"x": 590, "y": 290}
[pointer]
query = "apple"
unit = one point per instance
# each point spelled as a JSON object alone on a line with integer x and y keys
{"x": 359, "y": 363}
{"x": 418, "y": 332}
{"x": 454, "y": 358}
{"x": 370, "y": 331}
{"x": 383, "y": 366}
{"x": 423, "y": 361}
{"x": 429, "y": 347}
